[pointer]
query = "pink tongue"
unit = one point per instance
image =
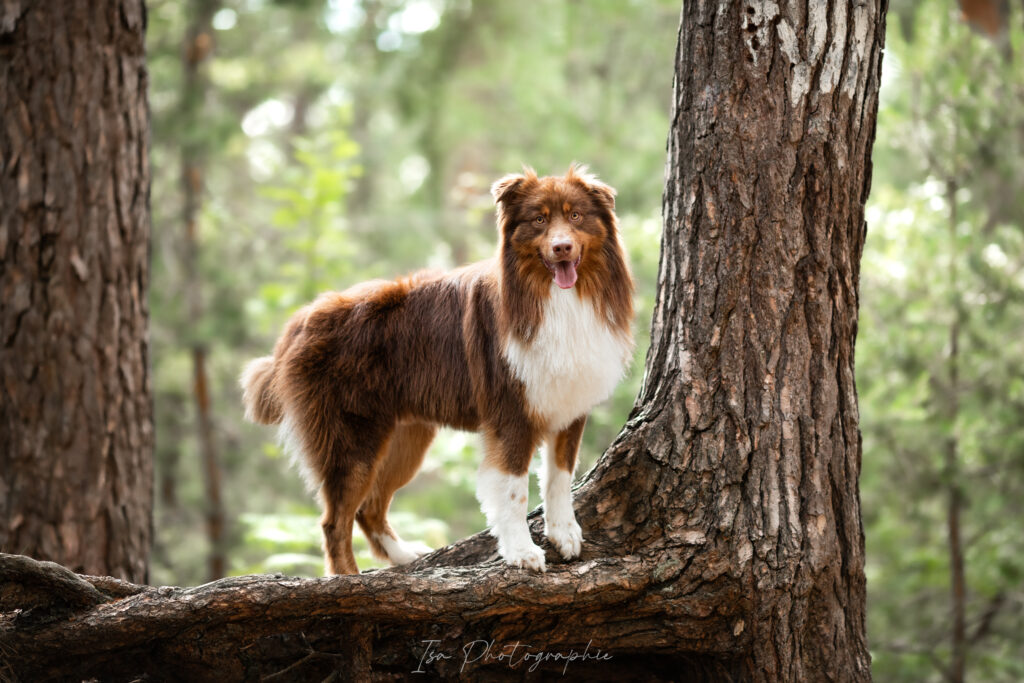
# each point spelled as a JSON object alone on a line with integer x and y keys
{"x": 565, "y": 274}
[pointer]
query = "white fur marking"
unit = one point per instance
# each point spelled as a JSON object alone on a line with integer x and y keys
{"x": 560, "y": 524}
{"x": 503, "y": 499}
{"x": 402, "y": 552}
{"x": 574, "y": 361}
{"x": 291, "y": 443}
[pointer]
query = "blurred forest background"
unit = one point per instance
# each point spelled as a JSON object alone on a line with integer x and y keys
{"x": 308, "y": 145}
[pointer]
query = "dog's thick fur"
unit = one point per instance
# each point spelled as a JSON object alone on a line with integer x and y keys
{"x": 519, "y": 347}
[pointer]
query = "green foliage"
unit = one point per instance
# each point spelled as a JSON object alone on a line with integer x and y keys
{"x": 944, "y": 248}
{"x": 310, "y": 200}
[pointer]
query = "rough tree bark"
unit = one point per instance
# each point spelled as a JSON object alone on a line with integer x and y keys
{"x": 723, "y": 529}
{"x": 75, "y": 408}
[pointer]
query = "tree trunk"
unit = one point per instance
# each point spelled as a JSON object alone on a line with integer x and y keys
{"x": 198, "y": 46}
{"x": 75, "y": 410}
{"x": 951, "y": 474}
{"x": 750, "y": 390}
{"x": 723, "y": 531}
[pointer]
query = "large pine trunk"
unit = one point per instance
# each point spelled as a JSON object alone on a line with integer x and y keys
{"x": 75, "y": 408}
{"x": 723, "y": 531}
{"x": 750, "y": 386}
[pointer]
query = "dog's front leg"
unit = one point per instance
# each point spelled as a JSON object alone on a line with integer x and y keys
{"x": 503, "y": 488}
{"x": 560, "y": 525}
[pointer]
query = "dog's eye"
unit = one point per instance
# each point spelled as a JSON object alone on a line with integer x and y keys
{"x": 540, "y": 220}
{"x": 575, "y": 216}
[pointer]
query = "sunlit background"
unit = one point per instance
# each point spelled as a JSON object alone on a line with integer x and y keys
{"x": 338, "y": 141}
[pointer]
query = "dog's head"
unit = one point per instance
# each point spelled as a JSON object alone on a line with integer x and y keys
{"x": 555, "y": 228}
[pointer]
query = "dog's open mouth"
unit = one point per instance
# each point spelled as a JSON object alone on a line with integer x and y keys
{"x": 564, "y": 272}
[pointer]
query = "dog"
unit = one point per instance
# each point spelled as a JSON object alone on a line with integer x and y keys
{"x": 519, "y": 347}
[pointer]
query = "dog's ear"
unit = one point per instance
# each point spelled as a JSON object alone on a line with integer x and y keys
{"x": 505, "y": 190}
{"x": 602, "y": 192}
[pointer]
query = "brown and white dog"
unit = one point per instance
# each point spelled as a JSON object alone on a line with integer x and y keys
{"x": 519, "y": 347}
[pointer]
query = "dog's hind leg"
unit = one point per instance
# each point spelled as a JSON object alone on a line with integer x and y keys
{"x": 342, "y": 491}
{"x": 408, "y": 445}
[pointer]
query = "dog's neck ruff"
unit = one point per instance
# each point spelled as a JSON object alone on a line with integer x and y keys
{"x": 573, "y": 362}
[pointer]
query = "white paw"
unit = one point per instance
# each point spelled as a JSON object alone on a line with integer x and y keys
{"x": 566, "y": 536}
{"x": 404, "y": 552}
{"x": 526, "y": 555}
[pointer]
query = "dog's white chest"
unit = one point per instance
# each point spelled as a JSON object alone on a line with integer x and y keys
{"x": 573, "y": 362}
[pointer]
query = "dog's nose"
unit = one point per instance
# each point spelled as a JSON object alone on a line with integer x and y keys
{"x": 562, "y": 247}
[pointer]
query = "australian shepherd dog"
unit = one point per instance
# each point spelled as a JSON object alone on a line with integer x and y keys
{"x": 519, "y": 348}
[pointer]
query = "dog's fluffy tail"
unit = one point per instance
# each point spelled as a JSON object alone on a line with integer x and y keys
{"x": 261, "y": 402}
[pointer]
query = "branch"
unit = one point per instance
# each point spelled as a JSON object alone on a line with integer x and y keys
{"x": 988, "y": 616}
{"x": 270, "y": 623}
{"x": 27, "y": 584}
